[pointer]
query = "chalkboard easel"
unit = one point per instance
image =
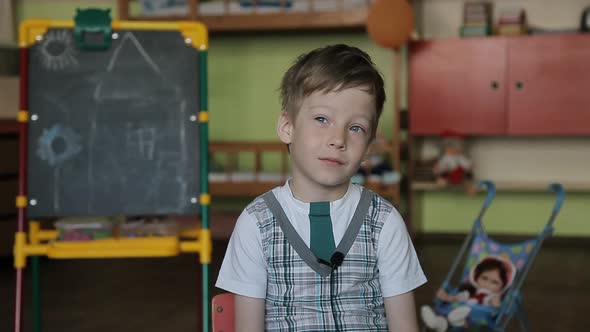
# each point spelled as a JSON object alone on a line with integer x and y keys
{"x": 114, "y": 131}
{"x": 120, "y": 129}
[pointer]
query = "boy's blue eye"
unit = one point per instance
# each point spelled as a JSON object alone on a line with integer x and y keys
{"x": 321, "y": 119}
{"x": 357, "y": 129}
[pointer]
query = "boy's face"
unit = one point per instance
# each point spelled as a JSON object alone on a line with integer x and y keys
{"x": 328, "y": 138}
{"x": 490, "y": 280}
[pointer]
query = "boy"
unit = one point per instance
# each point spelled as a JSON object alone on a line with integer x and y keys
{"x": 319, "y": 253}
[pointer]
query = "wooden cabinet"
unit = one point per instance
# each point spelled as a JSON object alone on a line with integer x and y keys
{"x": 533, "y": 85}
{"x": 550, "y": 85}
{"x": 458, "y": 84}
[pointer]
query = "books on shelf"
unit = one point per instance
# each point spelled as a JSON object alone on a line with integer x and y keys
{"x": 477, "y": 12}
{"x": 511, "y": 30}
{"x": 475, "y": 30}
{"x": 512, "y": 16}
{"x": 477, "y": 19}
{"x": 512, "y": 22}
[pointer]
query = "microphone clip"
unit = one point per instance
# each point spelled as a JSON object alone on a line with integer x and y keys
{"x": 335, "y": 261}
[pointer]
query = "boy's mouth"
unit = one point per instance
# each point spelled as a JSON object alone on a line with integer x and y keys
{"x": 332, "y": 161}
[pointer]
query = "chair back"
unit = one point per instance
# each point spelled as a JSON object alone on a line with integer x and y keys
{"x": 222, "y": 315}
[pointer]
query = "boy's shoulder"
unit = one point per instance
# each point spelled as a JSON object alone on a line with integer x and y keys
{"x": 258, "y": 207}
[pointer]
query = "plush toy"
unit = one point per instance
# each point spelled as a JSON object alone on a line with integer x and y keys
{"x": 376, "y": 161}
{"x": 453, "y": 167}
{"x": 488, "y": 280}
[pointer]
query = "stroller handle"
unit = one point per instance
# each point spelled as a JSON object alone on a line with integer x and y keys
{"x": 491, "y": 193}
{"x": 560, "y": 197}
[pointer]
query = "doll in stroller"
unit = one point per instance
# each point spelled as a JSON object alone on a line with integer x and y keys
{"x": 488, "y": 295}
{"x": 488, "y": 280}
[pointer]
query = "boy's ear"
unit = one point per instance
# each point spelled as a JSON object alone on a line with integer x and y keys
{"x": 366, "y": 156}
{"x": 285, "y": 128}
{"x": 368, "y": 151}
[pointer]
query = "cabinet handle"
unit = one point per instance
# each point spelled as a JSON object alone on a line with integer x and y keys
{"x": 519, "y": 85}
{"x": 494, "y": 85}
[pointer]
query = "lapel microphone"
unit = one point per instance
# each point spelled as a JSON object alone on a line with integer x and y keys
{"x": 335, "y": 261}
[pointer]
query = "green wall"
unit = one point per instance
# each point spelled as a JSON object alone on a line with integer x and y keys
{"x": 244, "y": 74}
{"x": 58, "y": 10}
{"x": 514, "y": 213}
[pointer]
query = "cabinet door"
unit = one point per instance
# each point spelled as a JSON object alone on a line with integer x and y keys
{"x": 550, "y": 85}
{"x": 458, "y": 84}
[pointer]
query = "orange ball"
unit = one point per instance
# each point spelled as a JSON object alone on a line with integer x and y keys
{"x": 390, "y": 22}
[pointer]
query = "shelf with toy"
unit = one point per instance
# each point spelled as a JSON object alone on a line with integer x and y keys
{"x": 231, "y": 176}
{"x": 232, "y": 15}
{"x": 514, "y": 164}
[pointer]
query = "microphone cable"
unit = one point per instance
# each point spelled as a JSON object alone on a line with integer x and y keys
{"x": 335, "y": 261}
{"x": 333, "y": 298}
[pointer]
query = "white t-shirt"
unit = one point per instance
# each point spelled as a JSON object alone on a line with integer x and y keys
{"x": 243, "y": 270}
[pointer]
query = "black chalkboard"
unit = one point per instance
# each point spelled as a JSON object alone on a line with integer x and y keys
{"x": 113, "y": 132}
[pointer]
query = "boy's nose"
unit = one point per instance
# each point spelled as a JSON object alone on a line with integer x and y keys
{"x": 337, "y": 145}
{"x": 338, "y": 140}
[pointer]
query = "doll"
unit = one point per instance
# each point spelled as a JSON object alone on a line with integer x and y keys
{"x": 376, "y": 162}
{"x": 488, "y": 280}
{"x": 453, "y": 167}
{"x": 376, "y": 167}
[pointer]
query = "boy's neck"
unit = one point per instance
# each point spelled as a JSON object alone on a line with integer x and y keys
{"x": 310, "y": 194}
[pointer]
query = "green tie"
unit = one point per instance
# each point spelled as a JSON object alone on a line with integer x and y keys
{"x": 322, "y": 237}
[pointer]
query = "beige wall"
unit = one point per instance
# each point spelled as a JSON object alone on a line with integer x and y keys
{"x": 7, "y": 22}
{"x": 442, "y": 18}
{"x": 8, "y": 97}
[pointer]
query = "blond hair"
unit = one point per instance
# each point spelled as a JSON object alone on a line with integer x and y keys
{"x": 330, "y": 69}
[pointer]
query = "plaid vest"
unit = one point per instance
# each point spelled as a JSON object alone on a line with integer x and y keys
{"x": 299, "y": 299}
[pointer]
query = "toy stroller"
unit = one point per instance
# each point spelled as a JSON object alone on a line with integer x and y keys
{"x": 507, "y": 266}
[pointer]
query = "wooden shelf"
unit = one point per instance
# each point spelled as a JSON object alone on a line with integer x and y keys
{"x": 299, "y": 21}
{"x": 253, "y": 184}
{"x": 8, "y": 127}
{"x": 342, "y": 18}
{"x": 242, "y": 189}
{"x": 510, "y": 186}
{"x": 390, "y": 191}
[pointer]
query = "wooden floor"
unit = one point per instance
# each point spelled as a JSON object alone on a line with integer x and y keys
{"x": 148, "y": 295}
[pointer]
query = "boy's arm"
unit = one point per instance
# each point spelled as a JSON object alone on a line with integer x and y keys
{"x": 401, "y": 313}
{"x": 249, "y": 314}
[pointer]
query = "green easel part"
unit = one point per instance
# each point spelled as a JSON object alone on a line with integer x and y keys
{"x": 95, "y": 22}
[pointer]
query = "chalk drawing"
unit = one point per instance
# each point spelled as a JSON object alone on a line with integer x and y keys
{"x": 55, "y": 146}
{"x": 56, "y": 187}
{"x": 142, "y": 140}
{"x": 168, "y": 172}
{"x": 182, "y": 125}
{"x": 58, "y": 144}
{"x": 129, "y": 37}
{"x": 105, "y": 92}
{"x": 57, "y": 51}
{"x": 91, "y": 144}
